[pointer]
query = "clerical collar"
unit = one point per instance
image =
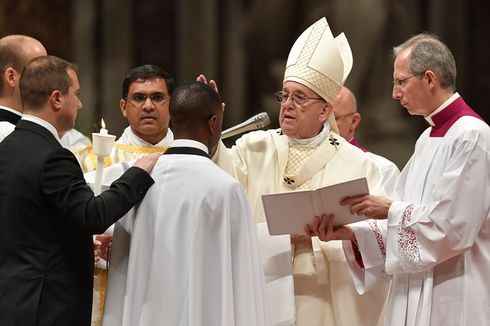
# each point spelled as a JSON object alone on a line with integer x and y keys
{"x": 445, "y": 119}
{"x": 129, "y": 138}
{"x": 189, "y": 143}
{"x": 187, "y": 147}
{"x": 6, "y": 108}
{"x": 315, "y": 141}
{"x": 441, "y": 107}
{"x": 42, "y": 123}
{"x": 354, "y": 142}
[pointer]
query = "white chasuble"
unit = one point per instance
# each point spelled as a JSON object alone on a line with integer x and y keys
{"x": 315, "y": 278}
{"x": 193, "y": 259}
{"x": 436, "y": 242}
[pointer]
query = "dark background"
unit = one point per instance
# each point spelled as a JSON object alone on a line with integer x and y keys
{"x": 243, "y": 45}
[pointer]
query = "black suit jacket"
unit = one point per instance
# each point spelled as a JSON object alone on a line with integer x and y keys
{"x": 9, "y": 116}
{"x": 48, "y": 215}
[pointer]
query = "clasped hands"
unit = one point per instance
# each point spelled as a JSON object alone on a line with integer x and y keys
{"x": 102, "y": 245}
{"x": 375, "y": 207}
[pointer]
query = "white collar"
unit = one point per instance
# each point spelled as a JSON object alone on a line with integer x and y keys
{"x": 440, "y": 108}
{"x": 6, "y": 108}
{"x": 42, "y": 123}
{"x": 189, "y": 143}
{"x": 315, "y": 141}
{"x": 129, "y": 138}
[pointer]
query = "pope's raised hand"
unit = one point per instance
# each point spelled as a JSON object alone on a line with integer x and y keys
{"x": 201, "y": 78}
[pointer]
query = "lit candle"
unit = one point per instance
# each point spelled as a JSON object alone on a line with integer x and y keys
{"x": 103, "y": 130}
{"x": 102, "y": 146}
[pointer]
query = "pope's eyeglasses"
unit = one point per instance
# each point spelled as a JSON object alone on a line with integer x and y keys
{"x": 298, "y": 99}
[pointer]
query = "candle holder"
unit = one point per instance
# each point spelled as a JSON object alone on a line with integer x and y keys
{"x": 102, "y": 147}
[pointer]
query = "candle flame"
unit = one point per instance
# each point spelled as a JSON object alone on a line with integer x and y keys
{"x": 102, "y": 124}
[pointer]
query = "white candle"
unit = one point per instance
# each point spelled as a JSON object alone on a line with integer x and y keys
{"x": 102, "y": 145}
{"x": 99, "y": 171}
{"x": 103, "y": 130}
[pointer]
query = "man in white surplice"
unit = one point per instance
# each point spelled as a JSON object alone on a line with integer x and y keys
{"x": 435, "y": 243}
{"x": 309, "y": 285}
{"x": 193, "y": 257}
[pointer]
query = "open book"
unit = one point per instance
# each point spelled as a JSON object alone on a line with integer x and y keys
{"x": 287, "y": 213}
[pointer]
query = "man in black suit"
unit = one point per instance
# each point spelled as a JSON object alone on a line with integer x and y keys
{"x": 48, "y": 214}
{"x": 15, "y": 53}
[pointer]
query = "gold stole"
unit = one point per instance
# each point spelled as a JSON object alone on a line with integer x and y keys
{"x": 140, "y": 149}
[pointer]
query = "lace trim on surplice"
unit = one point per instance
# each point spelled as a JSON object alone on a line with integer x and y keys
{"x": 408, "y": 247}
{"x": 379, "y": 238}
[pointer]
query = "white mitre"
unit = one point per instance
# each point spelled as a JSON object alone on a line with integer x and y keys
{"x": 320, "y": 62}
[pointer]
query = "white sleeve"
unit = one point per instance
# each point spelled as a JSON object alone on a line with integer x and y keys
{"x": 232, "y": 161}
{"x": 370, "y": 235}
{"x": 421, "y": 236}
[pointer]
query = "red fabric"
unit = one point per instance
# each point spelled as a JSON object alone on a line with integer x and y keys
{"x": 449, "y": 115}
{"x": 355, "y": 143}
{"x": 357, "y": 254}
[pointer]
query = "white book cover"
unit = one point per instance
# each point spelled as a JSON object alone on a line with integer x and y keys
{"x": 288, "y": 212}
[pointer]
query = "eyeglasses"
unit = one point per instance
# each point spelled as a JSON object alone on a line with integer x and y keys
{"x": 298, "y": 99}
{"x": 139, "y": 99}
{"x": 402, "y": 82}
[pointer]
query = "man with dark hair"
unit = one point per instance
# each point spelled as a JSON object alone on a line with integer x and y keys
{"x": 145, "y": 94}
{"x": 15, "y": 53}
{"x": 194, "y": 261}
{"x": 47, "y": 212}
{"x": 146, "y": 72}
{"x": 435, "y": 242}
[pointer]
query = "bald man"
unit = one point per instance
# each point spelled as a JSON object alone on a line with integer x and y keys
{"x": 348, "y": 119}
{"x": 15, "y": 53}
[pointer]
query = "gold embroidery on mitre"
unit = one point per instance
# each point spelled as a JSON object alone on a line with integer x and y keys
{"x": 301, "y": 69}
{"x": 320, "y": 61}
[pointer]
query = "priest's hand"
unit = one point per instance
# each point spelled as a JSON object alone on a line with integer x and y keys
{"x": 371, "y": 206}
{"x": 147, "y": 162}
{"x": 323, "y": 228}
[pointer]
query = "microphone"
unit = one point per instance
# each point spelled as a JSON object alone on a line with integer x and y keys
{"x": 256, "y": 122}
